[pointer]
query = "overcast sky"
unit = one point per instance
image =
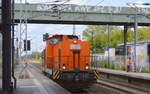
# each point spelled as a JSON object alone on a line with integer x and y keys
{"x": 35, "y": 31}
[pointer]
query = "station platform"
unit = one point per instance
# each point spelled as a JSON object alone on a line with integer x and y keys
{"x": 145, "y": 76}
{"x": 36, "y": 83}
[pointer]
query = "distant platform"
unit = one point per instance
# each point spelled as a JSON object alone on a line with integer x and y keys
{"x": 145, "y": 76}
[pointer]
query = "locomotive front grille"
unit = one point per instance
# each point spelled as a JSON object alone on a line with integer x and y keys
{"x": 77, "y": 75}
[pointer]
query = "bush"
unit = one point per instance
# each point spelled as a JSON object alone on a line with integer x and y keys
{"x": 102, "y": 64}
{"x": 123, "y": 67}
{"x": 112, "y": 66}
{"x": 145, "y": 70}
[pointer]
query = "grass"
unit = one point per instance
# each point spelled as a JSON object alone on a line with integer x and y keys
{"x": 145, "y": 70}
{"x": 114, "y": 66}
{"x": 36, "y": 61}
{"x": 24, "y": 76}
{"x": 104, "y": 64}
{"x": 123, "y": 68}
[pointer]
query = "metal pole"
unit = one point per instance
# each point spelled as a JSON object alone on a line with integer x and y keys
{"x": 74, "y": 30}
{"x": 6, "y": 31}
{"x": 13, "y": 49}
{"x": 108, "y": 47}
{"x": 23, "y": 28}
{"x": 20, "y": 32}
{"x": 125, "y": 42}
{"x": 26, "y": 34}
{"x": 135, "y": 40}
{"x": 92, "y": 42}
{"x": 92, "y": 59}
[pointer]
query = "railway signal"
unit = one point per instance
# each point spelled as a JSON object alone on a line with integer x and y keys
{"x": 45, "y": 36}
{"x": 27, "y": 45}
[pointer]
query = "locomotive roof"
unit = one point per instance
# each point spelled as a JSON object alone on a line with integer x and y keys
{"x": 54, "y": 36}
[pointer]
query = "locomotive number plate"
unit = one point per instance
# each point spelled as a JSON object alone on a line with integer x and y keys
{"x": 74, "y": 46}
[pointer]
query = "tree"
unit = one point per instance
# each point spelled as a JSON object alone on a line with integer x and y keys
{"x": 35, "y": 55}
{"x": 98, "y": 36}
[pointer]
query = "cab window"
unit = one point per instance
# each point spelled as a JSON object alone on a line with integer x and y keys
{"x": 55, "y": 40}
{"x": 72, "y": 38}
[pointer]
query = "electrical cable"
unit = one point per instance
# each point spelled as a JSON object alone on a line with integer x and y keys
{"x": 76, "y": 3}
{"x": 87, "y": 1}
{"x": 99, "y": 2}
{"x": 51, "y": 2}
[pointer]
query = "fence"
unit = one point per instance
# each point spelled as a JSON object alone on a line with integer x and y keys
{"x": 100, "y": 61}
{"x": 118, "y": 63}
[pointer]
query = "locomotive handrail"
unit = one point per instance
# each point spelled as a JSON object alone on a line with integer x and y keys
{"x": 93, "y": 60}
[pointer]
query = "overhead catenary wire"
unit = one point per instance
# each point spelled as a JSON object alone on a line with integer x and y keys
{"x": 54, "y": 2}
{"x": 87, "y": 1}
{"x": 44, "y": 2}
{"x": 99, "y": 2}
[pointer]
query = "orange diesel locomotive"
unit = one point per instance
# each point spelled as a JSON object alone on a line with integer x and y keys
{"x": 67, "y": 59}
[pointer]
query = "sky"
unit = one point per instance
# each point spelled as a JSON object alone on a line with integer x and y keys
{"x": 36, "y": 31}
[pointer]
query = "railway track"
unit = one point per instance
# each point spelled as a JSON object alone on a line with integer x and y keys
{"x": 37, "y": 67}
{"x": 104, "y": 86}
{"x": 120, "y": 88}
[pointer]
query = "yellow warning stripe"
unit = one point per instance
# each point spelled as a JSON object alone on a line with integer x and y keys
{"x": 96, "y": 74}
{"x": 56, "y": 74}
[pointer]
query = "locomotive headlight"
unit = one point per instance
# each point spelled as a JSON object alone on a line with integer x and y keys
{"x": 63, "y": 67}
{"x": 75, "y": 41}
{"x": 86, "y": 67}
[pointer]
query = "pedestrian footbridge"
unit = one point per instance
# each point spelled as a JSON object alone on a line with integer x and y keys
{"x": 81, "y": 14}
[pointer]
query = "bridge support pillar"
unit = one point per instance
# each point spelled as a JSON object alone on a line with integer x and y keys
{"x": 6, "y": 31}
